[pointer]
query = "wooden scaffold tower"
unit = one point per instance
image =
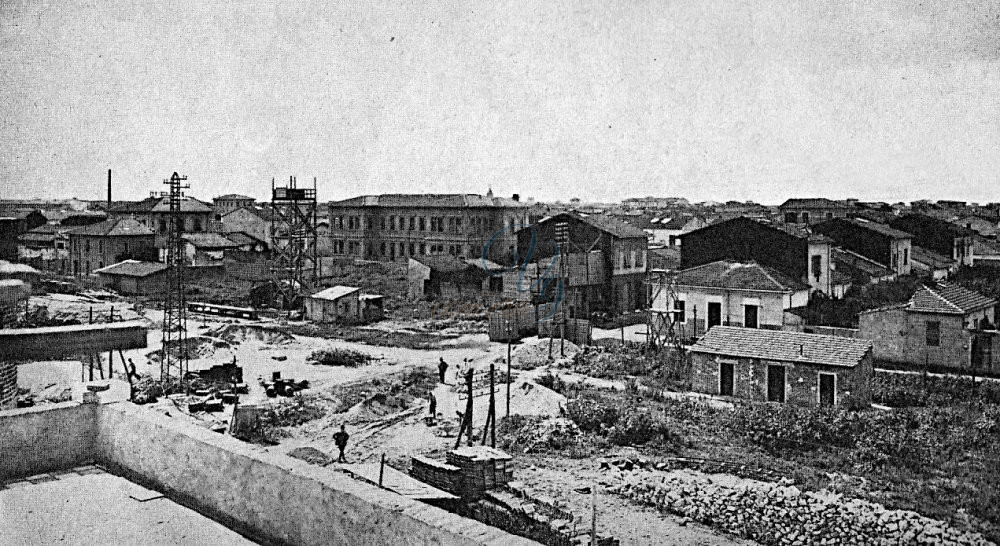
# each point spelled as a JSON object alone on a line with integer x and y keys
{"x": 294, "y": 241}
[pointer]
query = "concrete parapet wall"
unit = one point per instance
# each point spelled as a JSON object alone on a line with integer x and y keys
{"x": 271, "y": 497}
{"x": 46, "y": 438}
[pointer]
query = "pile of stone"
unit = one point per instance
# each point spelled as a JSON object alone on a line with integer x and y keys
{"x": 781, "y": 514}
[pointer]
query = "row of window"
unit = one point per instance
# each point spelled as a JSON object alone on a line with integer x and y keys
{"x": 86, "y": 246}
{"x": 393, "y": 250}
{"x": 413, "y": 223}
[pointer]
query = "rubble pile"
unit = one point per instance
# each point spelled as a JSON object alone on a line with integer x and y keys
{"x": 781, "y": 514}
{"x": 535, "y": 352}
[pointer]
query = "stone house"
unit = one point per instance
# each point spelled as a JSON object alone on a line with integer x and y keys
{"x": 783, "y": 367}
{"x": 942, "y": 326}
{"x": 109, "y": 242}
{"x": 392, "y": 227}
{"x": 334, "y": 304}
{"x": 726, "y": 293}
{"x": 604, "y": 262}
{"x": 940, "y": 236}
{"x": 154, "y": 213}
{"x": 46, "y": 247}
{"x": 812, "y": 210}
{"x": 931, "y": 264}
{"x": 795, "y": 251}
{"x": 880, "y": 243}
{"x": 453, "y": 278}
{"x": 134, "y": 278}
{"x": 205, "y": 249}
{"x": 252, "y": 221}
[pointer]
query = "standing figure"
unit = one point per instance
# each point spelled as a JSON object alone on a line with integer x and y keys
{"x": 340, "y": 439}
{"x": 442, "y": 368}
{"x": 434, "y": 404}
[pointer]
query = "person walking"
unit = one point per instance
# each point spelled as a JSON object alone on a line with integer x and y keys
{"x": 442, "y": 368}
{"x": 340, "y": 439}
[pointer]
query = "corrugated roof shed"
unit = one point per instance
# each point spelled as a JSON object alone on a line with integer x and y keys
{"x": 733, "y": 275}
{"x": 783, "y": 346}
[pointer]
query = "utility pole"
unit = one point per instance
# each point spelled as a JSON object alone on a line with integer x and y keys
{"x": 174, "y": 365}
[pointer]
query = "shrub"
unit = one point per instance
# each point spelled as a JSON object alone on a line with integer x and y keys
{"x": 339, "y": 357}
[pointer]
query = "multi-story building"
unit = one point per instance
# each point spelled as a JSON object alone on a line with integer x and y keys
{"x": 602, "y": 261}
{"x": 938, "y": 236}
{"x": 224, "y": 204}
{"x": 802, "y": 255}
{"x": 398, "y": 226}
{"x": 880, "y": 243}
{"x": 154, "y": 213}
{"x": 812, "y": 211}
{"x": 97, "y": 245}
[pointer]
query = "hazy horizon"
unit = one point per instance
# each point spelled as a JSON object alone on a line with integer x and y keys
{"x": 885, "y": 101}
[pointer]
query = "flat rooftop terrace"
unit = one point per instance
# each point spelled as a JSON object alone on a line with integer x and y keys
{"x": 86, "y": 505}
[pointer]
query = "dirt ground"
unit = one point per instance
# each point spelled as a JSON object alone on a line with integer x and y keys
{"x": 398, "y": 426}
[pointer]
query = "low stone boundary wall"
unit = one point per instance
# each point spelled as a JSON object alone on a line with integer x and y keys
{"x": 46, "y": 438}
{"x": 782, "y": 515}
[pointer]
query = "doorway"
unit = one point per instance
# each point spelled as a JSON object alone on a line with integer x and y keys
{"x": 775, "y": 383}
{"x": 726, "y": 378}
{"x": 750, "y": 316}
{"x": 714, "y": 314}
{"x": 827, "y": 388}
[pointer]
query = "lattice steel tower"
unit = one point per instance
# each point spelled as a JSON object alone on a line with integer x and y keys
{"x": 174, "y": 363}
{"x": 294, "y": 241}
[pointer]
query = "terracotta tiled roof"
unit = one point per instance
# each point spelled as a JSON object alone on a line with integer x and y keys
{"x": 949, "y": 299}
{"x": 732, "y": 275}
{"x": 115, "y": 227}
{"x": 783, "y": 346}
{"x": 880, "y": 228}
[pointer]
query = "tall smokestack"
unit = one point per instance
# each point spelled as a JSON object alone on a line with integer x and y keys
{"x": 109, "y": 188}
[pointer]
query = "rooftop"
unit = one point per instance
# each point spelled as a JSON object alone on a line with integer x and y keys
{"x": 813, "y": 203}
{"x": 440, "y": 200}
{"x": 783, "y": 346}
{"x": 335, "y": 292}
{"x": 733, "y": 275}
{"x": 208, "y": 240}
{"x": 85, "y": 505}
{"x": 930, "y": 258}
{"x": 949, "y": 299}
{"x": 133, "y": 268}
{"x": 115, "y": 227}
{"x": 879, "y": 228}
{"x": 161, "y": 204}
{"x": 234, "y": 196}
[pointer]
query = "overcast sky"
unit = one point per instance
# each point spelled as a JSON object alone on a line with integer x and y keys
{"x": 887, "y": 100}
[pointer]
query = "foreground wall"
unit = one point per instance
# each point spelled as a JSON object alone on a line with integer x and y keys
{"x": 46, "y": 438}
{"x": 271, "y": 497}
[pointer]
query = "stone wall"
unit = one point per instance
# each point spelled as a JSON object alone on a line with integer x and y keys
{"x": 783, "y": 515}
{"x": 852, "y": 387}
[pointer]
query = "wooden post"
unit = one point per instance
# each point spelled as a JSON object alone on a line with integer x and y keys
{"x": 623, "y": 332}
{"x": 468, "y": 402}
{"x": 508, "y": 377}
{"x": 381, "y": 470}
{"x": 593, "y": 515}
{"x": 91, "y": 320}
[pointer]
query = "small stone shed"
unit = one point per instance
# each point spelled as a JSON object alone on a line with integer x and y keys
{"x": 334, "y": 304}
{"x": 785, "y": 367}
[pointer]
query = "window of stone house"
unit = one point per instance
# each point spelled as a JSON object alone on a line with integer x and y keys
{"x": 382, "y": 224}
{"x": 423, "y": 249}
{"x": 382, "y": 248}
{"x": 805, "y": 217}
{"x": 906, "y": 256}
{"x": 413, "y": 222}
{"x": 86, "y": 247}
{"x": 412, "y": 249}
{"x": 423, "y": 223}
{"x": 680, "y": 316}
{"x": 933, "y": 333}
{"x": 441, "y": 223}
{"x": 197, "y": 225}
{"x": 458, "y": 224}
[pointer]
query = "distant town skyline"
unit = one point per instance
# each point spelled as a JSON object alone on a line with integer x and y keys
{"x": 889, "y": 101}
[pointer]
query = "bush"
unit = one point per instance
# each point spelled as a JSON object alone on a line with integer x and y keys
{"x": 339, "y": 357}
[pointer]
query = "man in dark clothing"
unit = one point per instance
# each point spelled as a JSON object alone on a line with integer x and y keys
{"x": 340, "y": 439}
{"x": 434, "y": 404}
{"x": 442, "y": 367}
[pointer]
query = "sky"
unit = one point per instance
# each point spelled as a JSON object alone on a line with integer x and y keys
{"x": 888, "y": 100}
